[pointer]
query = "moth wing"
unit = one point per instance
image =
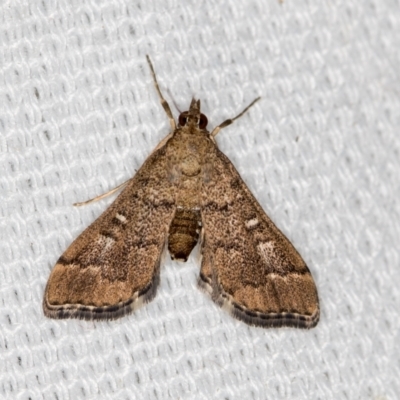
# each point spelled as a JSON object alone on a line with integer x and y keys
{"x": 248, "y": 266}
{"x": 113, "y": 266}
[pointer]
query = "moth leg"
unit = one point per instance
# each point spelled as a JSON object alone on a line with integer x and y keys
{"x": 164, "y": 103}
{"x": 102, "y": 196}
{"x": 230, "y": 120}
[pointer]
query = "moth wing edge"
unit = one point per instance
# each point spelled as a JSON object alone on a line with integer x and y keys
{"x": 110, "y": 312}
{"x": 256, "y": 318}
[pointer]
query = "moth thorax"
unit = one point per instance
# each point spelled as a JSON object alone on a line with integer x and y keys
{"x": 184, "y": 233}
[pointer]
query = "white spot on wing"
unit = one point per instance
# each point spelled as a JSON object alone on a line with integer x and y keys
{"x": 266, "y": 250}
{"x": 105, "y": 242}
{"x": 252, "y": 222}
{"x": 269, "y": 253}
{"x": 120, "y": 218}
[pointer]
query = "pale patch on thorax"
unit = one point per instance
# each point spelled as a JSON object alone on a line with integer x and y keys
{"x": 190, "y": 165}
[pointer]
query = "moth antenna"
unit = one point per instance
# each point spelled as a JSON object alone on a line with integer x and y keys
{"x": 173, "y": 101}
{"x": 230, "y": 120}
{"x": 164, "y": 103}
{"x": 102, "y": 196}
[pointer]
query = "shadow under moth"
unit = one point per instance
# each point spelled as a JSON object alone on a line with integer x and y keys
{"x": 186, "y": 191}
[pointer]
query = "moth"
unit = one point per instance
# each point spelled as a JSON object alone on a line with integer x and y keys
{"x": 187, "y": 191}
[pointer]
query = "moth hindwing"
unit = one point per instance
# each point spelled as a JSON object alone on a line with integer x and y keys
{"x": 186, "y": 190}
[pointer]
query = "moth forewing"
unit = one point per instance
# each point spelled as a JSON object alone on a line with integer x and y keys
{"x": 185, "y": 191}
{"x": 94, "y": 278}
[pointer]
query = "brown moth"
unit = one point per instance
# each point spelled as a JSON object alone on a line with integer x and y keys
{"x": 187, "y": 190}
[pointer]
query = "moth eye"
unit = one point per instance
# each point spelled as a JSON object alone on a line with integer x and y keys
{"x": 183, "y": 118}
{"x": 203, "y": 121}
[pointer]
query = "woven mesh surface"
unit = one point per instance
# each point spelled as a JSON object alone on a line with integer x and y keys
{"x": 321, "y": 152}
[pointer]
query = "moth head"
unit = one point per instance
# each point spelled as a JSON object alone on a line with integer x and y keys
{"x": 193, "y": 117}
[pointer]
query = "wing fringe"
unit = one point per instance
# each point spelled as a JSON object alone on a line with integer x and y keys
{"x": 110, "y": 312}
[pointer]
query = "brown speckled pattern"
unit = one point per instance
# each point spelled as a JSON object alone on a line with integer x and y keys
{"x": 185, "y": 187}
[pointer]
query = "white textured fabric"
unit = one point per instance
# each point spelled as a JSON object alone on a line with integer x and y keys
{"x": 321, "y": 152}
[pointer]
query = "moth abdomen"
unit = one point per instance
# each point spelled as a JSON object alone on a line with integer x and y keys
{"x": 184, "y": 233}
